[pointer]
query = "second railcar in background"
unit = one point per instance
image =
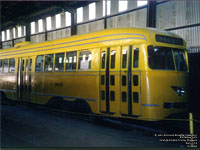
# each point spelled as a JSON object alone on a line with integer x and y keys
{"x": 136, "y": 73}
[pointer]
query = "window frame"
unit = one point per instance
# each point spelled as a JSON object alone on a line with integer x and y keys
{"x": 7, "y": 66}
{"x": 42, "y": 64}
{"x": 122, "y": 57}
{"x": 30, "y": 64}
{"x": 72, "y": 70}
{"x": 152, "y": 46}
{"x": 90, "y": 63}
{"x": 113, "y": 66}
{"x": 175, "y": 59}
{"x": 54, "y": 64}
{"x": 1, "y": 65}
{"x": 103, "y": 61}
{"x": 134, "y": 56}
{"x": 10, "y": 63}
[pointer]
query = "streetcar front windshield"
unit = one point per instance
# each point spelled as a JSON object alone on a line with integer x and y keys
{"x": 165, "y": 58}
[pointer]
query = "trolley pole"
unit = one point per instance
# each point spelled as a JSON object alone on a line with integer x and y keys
{"x": 191, "y": 123}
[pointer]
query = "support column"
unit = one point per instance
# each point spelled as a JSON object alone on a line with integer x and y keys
{"x": 99, "y": 9}
{"x": 23, "y": 32}
{"x": 0, "y": 40}
{"x": 53, "y": 22}
{"x": 63, "y": 19}
{"x": 85, "y": 13}
{"x": 5, "y": 35}
{"x": 12, "y": 37}
{"x": 36, "y": 27}
{"x": 114, "y": 6}
{"x": 16, "y": 32}
{"x": 105, "y": 19}
{"x": 151, "y": 14}
{"x": 28, "y": 32}
{"x": 45, "y": 28}
{"x": 73, "y": 22}
{"x": 11, "y": 33}
{"x": 132, "y": 4}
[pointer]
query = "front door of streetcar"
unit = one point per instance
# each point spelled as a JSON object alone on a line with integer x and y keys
{"x": 130, "y": 104}
{"x": 109, "y": 80}
{"x": 24, "y": 78}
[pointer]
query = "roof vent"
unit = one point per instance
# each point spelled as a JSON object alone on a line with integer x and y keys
{"x": 22, "y": 44}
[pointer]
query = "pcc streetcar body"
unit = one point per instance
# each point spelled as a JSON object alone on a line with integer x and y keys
{"x": 136, "y": 73}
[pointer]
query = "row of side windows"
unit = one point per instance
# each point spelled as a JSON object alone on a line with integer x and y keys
{"x": 7, "y": 65}
{"x": 69, "y": 61}
{"x": 124, "y": 58}
{"x": 66, "y": 60}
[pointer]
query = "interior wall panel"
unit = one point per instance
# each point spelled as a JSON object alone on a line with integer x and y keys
{"x": 90, "y": 27}
{"x": 38, "y": 38}
{"x": 59, "y": 34}
{"x": 7, "y": 44}
{"x": 177, "y": 13}
{"x": 132, "y": 19}
{"x": 191, "y": 35}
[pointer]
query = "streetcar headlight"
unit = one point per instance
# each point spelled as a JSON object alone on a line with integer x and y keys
{"x": 179, "y": 90}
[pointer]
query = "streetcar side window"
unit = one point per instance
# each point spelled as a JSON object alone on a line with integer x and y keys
{"x": 85, "y": 60}
{"x": 103, "y": 59}
{"x": 23, "y": 64}
{"x": 30, "y": 67}
{"x": 39, "y": 63}
{"x": 180, "y": 60}
{"x": 5, "y": 65}
{"x": 48, "y": 63}
{"x": 113, "y": 53}
{"x": 71, "y": 59}
{"x": 12, "y": 65}
{"x": 59, "y": 62}
{"x": 136, "y": 58}
{"x": 124, "y": 58}
{"x": 1, "y": 64}
{"x": 160, "y": 58}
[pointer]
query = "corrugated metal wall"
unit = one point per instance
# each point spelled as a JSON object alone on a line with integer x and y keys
{"x": 19, "y": 40}
{"x": 179, "y": 14}
{"x": 7, "y": 44}
{"x": 59, "y": 34}
{"x": 132, "y": 19}
{"x": 170, "y": 14}
{"x": 191, "y": 35}
{"x": 90, "y": 27}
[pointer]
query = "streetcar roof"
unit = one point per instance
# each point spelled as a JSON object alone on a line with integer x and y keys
{"x": 144, "y": 32}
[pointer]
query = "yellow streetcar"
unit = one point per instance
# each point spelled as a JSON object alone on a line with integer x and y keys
{"x": 138, "y": 73}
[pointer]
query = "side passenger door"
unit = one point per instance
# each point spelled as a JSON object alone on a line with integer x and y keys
{"x": 130, "y": 104}
{"x": 109, "y": 80}
{"x": 24, "y": 78}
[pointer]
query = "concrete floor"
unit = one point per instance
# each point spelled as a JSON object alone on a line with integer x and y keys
{"x": 25, "y": 126}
